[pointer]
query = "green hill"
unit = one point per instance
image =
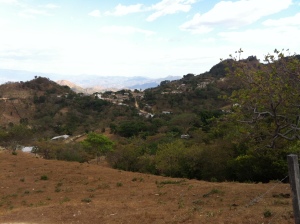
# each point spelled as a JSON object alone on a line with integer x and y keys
{"x": 184, "y": 128}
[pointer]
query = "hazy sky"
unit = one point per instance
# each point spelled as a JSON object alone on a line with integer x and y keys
{"x": 153, "y": 38}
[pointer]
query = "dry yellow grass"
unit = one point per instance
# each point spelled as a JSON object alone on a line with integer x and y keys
{"x": 34, "y": 190}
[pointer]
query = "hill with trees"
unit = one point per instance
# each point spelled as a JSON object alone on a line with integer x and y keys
{"x": 237, "y": 121}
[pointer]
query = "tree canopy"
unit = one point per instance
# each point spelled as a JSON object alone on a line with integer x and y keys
{"x": 97, "y": 143}
{"x": 268, "y": 100}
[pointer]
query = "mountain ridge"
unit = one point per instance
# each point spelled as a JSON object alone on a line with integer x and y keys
{"x": 96, "y": 83}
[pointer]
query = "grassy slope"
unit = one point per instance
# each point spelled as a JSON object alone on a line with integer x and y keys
{"x": 125, "y": 197}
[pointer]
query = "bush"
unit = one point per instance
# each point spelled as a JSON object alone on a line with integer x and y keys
{"x": 262, "y": 165}
{"x": 131, "y": 128}
{"x": 14, "y": 153}
{"x": 63, "y": 151}
{"x": 44, "y": 177}
{"x": 125, "y": 157}
{"x": 169, "y": 159}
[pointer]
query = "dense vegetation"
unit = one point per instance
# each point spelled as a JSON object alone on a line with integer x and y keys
{"x": 236, "y": 122}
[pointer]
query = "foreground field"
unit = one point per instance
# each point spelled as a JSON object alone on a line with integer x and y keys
{"x": 34, "y": 190}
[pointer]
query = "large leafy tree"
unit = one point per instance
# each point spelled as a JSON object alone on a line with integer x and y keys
{"x": 97, "y": 144}
{"x": 268, "y": 102}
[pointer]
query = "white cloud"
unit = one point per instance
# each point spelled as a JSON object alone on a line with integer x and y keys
{"x": 195, "y": 25}
{"x": 66, "y": 53}
{"x": 95, "y": 13}
{"x": 125, "y": 30}
{"x": 18, "y": 3}
{"x": 121, "y": 10}
{"x": 9, "y": 1}
{"x": 166, "y": 7}
{"x": 27, "y": 11}
{"x": 235, "y": 14}
{"x": 265, "y": 38}
{"x": 3, "y": 23}
{"x": 32, "y": 13}
{"x": 25, "y": 54}
{"x": 287, "y": 21}
{"x": 51, "y": 6}
{"x": 29, "y": 50}
{"x": 12, "y": 2}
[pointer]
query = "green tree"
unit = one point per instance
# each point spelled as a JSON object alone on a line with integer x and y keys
{"x": 125, "y": 157}
{"x": 131, "y": 128}
{"x": 97, "y": 144}
{"x": 268, "y": 102}
{"x": 19, "y": 134}
{"x": 169, "y": 159}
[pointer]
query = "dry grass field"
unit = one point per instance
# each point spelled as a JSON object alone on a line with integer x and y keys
{"x": 34, "y": 190}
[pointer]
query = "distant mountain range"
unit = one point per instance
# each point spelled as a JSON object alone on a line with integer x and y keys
{"x": 87, "y": 83}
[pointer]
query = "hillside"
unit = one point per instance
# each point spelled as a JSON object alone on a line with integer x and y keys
{"x": 51, "y": 109}
{"x": 196, "y": 93}
{"x": 183, "y": 128}
{"x": 72, "y": 86}
{"x": 34, "y": 190}
{"x": 40, "y": 99}
{"x": 18, "y": 100}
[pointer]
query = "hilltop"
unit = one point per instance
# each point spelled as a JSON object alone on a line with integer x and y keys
{"x": 18, "y": 100}
{"x": 34, "y": 190}
{"x": 197, "y": 93}
{"x": 21, "y": 101}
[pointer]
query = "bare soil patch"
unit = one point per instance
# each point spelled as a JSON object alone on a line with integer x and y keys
{"x": 34, "y": 190}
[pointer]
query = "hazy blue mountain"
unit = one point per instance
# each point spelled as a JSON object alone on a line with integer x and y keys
{"x": 87, "y": 81}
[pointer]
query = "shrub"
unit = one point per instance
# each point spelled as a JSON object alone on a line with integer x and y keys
{"x": 87, "y": 200}
{"x": 44, "y": 177}
{"x": 119, "y": 184}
